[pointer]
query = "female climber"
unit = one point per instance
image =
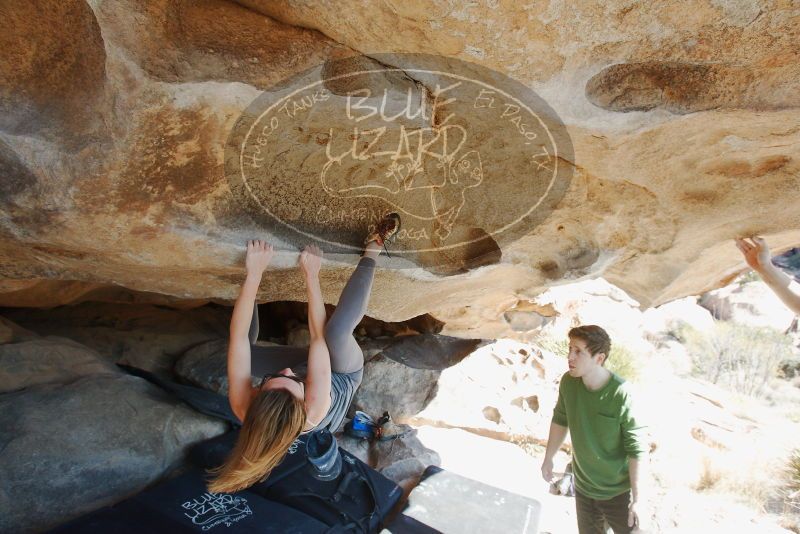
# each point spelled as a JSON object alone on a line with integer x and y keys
{"x": 286, "y": 404}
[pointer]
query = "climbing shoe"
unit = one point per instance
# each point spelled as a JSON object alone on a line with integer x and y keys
{"x": 385, "y": 231}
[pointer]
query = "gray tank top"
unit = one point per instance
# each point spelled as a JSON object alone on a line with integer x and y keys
{"x": 343, "y": 389}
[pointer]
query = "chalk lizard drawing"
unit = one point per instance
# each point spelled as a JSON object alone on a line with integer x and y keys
{"x": 428, "y": 181}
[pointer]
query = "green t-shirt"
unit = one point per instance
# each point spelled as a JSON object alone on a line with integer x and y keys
{"x": 605, "y": 433}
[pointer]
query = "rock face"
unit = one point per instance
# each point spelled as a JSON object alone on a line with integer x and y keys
{"x": 513, "y": 397}
{"x": 430, "y": 351}
{"x": 45, "y": 361}
{"x": 394, "y": 387}
{"x": 78, "y": 434}
{"x": 206, "y": 366}
{"x": 400, "y": 374}
{"x": 144, "y": 336}
{"x": 682, "y": 119}
{"x": 402, "y": 378}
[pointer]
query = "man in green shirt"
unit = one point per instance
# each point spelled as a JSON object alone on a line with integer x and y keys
{"x": 608, "y": 442}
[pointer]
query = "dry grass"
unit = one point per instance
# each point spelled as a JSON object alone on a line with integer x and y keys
{"x": 738, "y": 357}
{"x": 793, "y": 472}
{"x": 791, "y": 496}
{"x": 709, "y": 476}
{"x": 791, "y": 523}
{"x": 764, "y": 480}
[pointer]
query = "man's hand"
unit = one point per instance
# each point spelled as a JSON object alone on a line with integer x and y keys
{"x": 311, "y": 261}
{"x": 547, "y": 471}
{"x": 755, "y": 252}
{"x": 259, "y": 254}
{"x": 635, "y": 513}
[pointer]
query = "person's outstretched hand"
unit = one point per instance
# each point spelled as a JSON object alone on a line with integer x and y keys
{"x": 259, "y": 254}
{"x": 755, "y": 252}
{"x": 311, "y": 260}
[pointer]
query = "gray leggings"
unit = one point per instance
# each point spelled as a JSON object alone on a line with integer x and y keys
{"x": 346, "y": 355}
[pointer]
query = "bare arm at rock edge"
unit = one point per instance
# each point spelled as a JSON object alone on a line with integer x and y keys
{"x": 756, "y": 254}
{"x": 318, "y": 378}
{"x": 259, "y": 254}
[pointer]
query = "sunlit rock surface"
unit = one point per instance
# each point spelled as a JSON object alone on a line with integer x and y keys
{"x": 683, "y": 120}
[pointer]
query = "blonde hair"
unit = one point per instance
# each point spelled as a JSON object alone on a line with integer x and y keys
{"x": 273, "y": 421}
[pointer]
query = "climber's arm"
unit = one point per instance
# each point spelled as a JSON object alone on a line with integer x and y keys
{"x": 259, "y": 254}
{"x": 756, "y": 254}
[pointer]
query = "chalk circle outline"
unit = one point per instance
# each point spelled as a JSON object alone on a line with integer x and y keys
{"x": 565, "y": 154}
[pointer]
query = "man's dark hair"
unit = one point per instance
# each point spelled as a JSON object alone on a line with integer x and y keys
{"x": 596, "y": 339}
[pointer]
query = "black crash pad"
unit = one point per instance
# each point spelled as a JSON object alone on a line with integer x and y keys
{"x": 334, "y": 502}
{"x": 184, "y": 505}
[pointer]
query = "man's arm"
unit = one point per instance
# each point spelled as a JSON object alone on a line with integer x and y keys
{"x": 556, "y": 438}
{"x": 258, "y": 257}
{"x": 635, "y": 474}
{"x": 318, "y": 378}
{"x": 636, "y": 446}
{"x": 756, "y": 254}
{"x": 558, "y": 433}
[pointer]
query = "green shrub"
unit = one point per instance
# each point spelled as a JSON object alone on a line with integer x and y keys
{"x": 557, "y": 345}
{"x": 748, "y": 277}
{"x": 739, "y": 357}
{"x": 621, "y": 360}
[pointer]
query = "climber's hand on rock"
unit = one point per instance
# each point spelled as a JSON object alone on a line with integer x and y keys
{"x": 311, "y": 261}
{"x": 259, "y": 254}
